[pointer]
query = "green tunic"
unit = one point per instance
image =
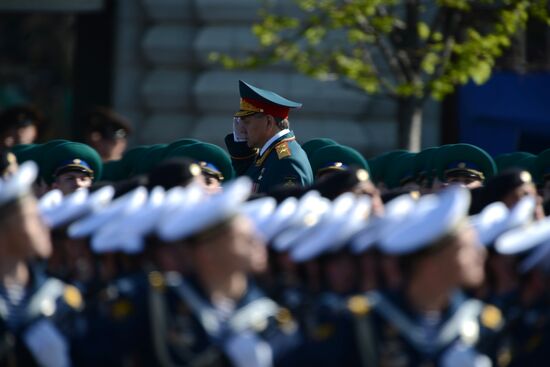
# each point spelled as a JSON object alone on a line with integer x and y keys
{"x": 283, "y": 163}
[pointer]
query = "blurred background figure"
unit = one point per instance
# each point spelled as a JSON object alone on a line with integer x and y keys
{"x": 19, "y": 125}
{"x": 107, "y": 132}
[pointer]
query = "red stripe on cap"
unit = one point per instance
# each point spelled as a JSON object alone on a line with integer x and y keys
{"x": 270, "y": 108}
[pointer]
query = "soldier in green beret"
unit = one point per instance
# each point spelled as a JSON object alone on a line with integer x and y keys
{"x": 311, "y": 146}
{"x": 215, "y": 163}
{"x": 331, "y": 158}
{"x": 262, "y": 147}
{"x": 464, "y": 164}
{"x": 71, "y": 166}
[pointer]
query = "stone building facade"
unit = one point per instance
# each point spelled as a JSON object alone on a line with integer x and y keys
{"x": 165, "y": 83}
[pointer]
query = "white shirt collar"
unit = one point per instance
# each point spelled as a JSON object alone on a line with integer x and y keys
{"x": 273, "y": 138}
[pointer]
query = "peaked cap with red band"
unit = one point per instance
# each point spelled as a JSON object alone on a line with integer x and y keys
{"x": 256, "y": 100}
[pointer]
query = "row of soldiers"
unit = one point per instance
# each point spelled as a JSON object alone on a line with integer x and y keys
{"x": 319, "y": 258}
{"x": 168, "y": 269}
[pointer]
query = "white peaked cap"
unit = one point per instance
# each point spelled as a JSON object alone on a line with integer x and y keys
{"x": 259, "y": 211}
{"x": 433, "y": 217}
{"x": 206, "y": 212}
{"x": 93, "y": 222}
{"x": 19, "y": 184}
{"x": 73, "y": 206}
{"x": 275, "y": 222}
{"x": 376, "y": 228}
{"x": 524, "y": 238}
{"x": 127, "y": 232}
{"x": 347, "y": 215}
{"x": 495, "y": 219}
{"x": 310, "y": 211}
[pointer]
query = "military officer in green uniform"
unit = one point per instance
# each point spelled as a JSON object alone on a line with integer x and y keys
{"x": 262, "y": 147}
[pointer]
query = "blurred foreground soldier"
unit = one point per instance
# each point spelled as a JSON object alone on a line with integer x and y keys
{"x": 430, "y": 321}
{"x": 71, "y": 166}
{"x": 115, "y": 328}
{"x": 107, "y": 132}
{"x": 262, "y": 147}
{"x": 19, "y": 125}
{"x": 528, "y": 322}
{"x": 35, "y": 311}
{"x": 217, "y": 316}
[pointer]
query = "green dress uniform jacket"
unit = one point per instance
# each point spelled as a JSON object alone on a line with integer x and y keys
{"x": 283, "y": 163}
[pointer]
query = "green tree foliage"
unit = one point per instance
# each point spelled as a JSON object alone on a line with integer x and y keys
{"x": 409, "y": 50}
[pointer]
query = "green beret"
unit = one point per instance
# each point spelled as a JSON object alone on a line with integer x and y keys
{"x": 71, "y": 155}
{"x": 337, "y": 157}
{"x": 379, "y": 164}
{"x": 514, "y": 160}
{"x": 424, "y": 164}
{"x": 400, "y": 170}
{"x": 129, "y": 159}
{"x": 520, "y": 160}
{"x": 42, "y": 153}
{"x": 24, "y": 152}
{"x": 466, "y": 159}
{"x": 152, "y": 156}
{"x": 114, "y": 171}
{"x": 179, "y": 143}
{"x": 212, "y": 159}
{"x": 312, "y": 145}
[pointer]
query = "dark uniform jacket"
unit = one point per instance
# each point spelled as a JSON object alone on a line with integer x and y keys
{"x": 45, "y": 331}
{"x": 188, "y": 330}
{"x": 389, "y": 333}
{"x": 283, "y": 163}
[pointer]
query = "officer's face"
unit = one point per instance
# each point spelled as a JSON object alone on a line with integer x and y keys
{"x": 69, "y": 182}
{"x": 257, "y": 129}
{"x": 24, "y": 234}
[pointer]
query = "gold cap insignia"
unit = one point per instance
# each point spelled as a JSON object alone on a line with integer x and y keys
{"x": 462, "y": 165}
{"x": 77, "y": 161}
